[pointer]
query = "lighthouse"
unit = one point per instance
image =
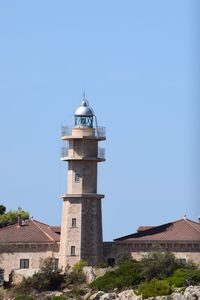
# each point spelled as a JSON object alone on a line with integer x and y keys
{"x": 81, "y": 229}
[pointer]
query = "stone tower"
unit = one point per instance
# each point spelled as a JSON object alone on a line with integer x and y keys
{"x": 81, "y": 230}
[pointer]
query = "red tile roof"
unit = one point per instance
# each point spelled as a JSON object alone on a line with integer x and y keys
{"x": 142, "y": 228}
{"x": 56, "y": 229}
{"x": 181, "y": 230}
{"x": 31, "y": 231}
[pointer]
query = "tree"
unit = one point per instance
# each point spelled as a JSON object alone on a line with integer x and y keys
{"x": 11, "y": 217}
{"x": 2, "y": 209}
{"x": 158, "y": 265}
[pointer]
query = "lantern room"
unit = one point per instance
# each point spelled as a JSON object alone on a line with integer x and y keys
{"x": 84, "y": 115}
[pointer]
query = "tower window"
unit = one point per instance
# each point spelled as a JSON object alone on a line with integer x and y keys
{"x": 73, "y": 251}
{"x": 24, "y": 263}
{"x": 73, "y": 222}
{"x": 77, "y": 177}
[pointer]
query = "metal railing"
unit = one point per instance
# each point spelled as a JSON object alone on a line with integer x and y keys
{"x": 101, "y": 153}
{"x": 65, "y": 153}
{"x": 66, "y": 130}
{"x": 100, "y": 132}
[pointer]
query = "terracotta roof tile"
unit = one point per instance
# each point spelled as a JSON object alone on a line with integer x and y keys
{"x": 31, "y": 231}
{"x": 142, "y": 228}
{"x": 181, "y": 230}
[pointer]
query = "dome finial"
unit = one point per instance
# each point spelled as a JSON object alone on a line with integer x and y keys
{"x": 84, "y": 95}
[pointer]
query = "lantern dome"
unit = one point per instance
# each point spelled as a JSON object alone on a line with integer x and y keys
{"x": 84, "y": 110}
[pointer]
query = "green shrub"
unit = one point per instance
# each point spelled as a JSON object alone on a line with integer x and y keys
{"x": 158, "y": 265}
{"x": 184, "y": 277}
{"x": 24, "y": 298}
{"x": 79, "y": 265}
{"x": 49, "y": 278}
{"x": 125, "y": 276}
{"x": 73, "y": 278}
{"x": 154, "y": 288}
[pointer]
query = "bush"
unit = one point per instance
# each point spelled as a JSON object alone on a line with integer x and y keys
{"x": 154, "y": 288}
{"x": 184, "y": 277}
{"x": 49, "y": 278}
{"x": 125, "y": 276}
{"x": 79, "y": 265}
{"x": 73, "y": 278}
{"x": 158, "y": 265}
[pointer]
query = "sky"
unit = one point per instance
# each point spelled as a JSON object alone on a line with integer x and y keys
{"x": 138, "y": 62}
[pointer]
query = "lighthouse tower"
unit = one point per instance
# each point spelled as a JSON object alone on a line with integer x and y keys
{"x": 81, "y": 230}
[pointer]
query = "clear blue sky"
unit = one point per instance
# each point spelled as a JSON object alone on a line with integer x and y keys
{"x": 139, "y": 63}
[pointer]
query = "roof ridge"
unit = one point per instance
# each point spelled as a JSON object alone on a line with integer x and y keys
{"x": 190, "y": 223}
{"x": 15, "y": 224}
{"x": 35, "y": 222}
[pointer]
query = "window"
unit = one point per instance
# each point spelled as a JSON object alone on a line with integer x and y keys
{"x": 72, "y": 250}
{"x": 24, "y": 263}
{"x": 77, "y": 177}
{"x": 56, "y": 263}
{"x": 73, "y": 222}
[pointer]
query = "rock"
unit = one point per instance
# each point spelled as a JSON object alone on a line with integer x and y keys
{"x": 177, "y": 296}
{"x": 108, "y": 296}
{"x": 96, "y": 296}
{"x": 89, "y": 274}
{"x": 192, "y": 293}
{"x": 66, "y": 290}
{"x": 162, "y": 298}
{"x": 87, "y": 296}
{"x": 128, "y": 295}
{"x": 18, "y": 275}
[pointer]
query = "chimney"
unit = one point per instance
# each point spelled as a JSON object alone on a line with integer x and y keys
{"x": 19, "y": 221}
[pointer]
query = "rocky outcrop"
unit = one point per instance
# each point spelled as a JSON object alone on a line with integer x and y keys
{"x": 190, "y": 293}
{"x": 89, "y": 274}
{"x": 18, "y": 275}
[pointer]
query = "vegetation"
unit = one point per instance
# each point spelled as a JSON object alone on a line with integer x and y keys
{"x": 11, "y": 217}
{"x": 154, "y": 287}
{"x": 2, "y": 209}
{"x": 126, "y": 275}
{"x": 184, "y": 277}
{"x": 157, "y": 273}
{"x": 80, "y": 265}
{"x": 51, "y": 278}
{"x": 24, "y": 298}
{"x": 158, "y": 265}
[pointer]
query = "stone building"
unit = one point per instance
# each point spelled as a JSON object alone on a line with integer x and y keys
{"x": 80, "y": 233}
{"x": 181, "y": 237}
{"x": 25, "y": 243}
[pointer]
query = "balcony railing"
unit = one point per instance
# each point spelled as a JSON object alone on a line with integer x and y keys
{"x": 65, "y": 153}
{"x": 101, "y": 153}
{"x": 100, "y": 132}
{"x": 66, "y": 130}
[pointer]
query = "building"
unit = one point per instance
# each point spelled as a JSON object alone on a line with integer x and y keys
{"x": 25, "y": 243}
{"x": 81, "y": 230}
{"x": 80, "y": 234}
{"x": 181, "y": 237}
